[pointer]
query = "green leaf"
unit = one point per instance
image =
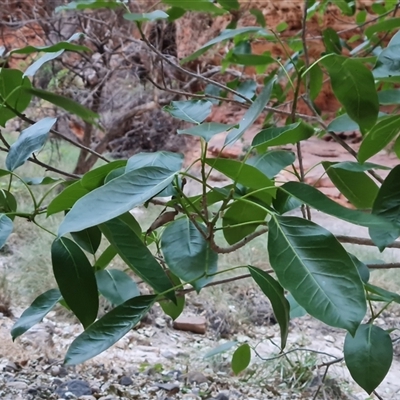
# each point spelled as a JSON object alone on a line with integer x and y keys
{"x": 387, "y": 206}
{"x": 316, "y": 77}
{"x": 389, "y": 97}
{"x": 245, "y": 174}
{"x": 222, "y": 348}
{"x": 357, "y": 167}
{"x": 241, "y": 358}
{"x": 357, "y": 187}
{"x": 230, "y": 4}
{"x": 175, "y": 13}
{"x": 249, "y": 60}
{"x": 274, "y": 291}
{"x": 225, "y": 35}
{"x": 90, "y": 4}
{"x": 6, "y": 227}
{"x": 315, "y": 199}
{"x": 163, "y": 159}
{"x": 136, "y": 255}
{"x": 343, "y": 123}
{"x": 144, "y": 17}
{"x": 354, "y": 86}
{"x": 368, "y": 356}
{"x": 314, "y": 267}
{"x": 206, "y": 130}
{"x": 43, "y": 180}
{"x": 379, "y": 137}
{"x": 278, "y": 136}
{"x": 108, "y": 330}
{"x": 387, "y": 67}
{"x": 239, "y": 213}
{"x": 116, "y": 286}
{"x": 31, "y": 140}
{"x": 385, "y": 295}
{"x": 116, "y": 197}
{"x": 296, "y": 310}
{"x": 272, "y": 162}
{"x": 51, "y": 49}
{"x": 75, "y": 279}
{"x": 383, "y": 26}
{"x": 331, "y": 41}
{"x": 12, "y": 82}
{"x": 194, "y": 111}
{"x": 284, "y": 202}
{"x": 198, "y": 5}
{"x": 346, "y": 6}
{"x": 106, "y": 257}
{"x": 89, "y": 239}
{"x": 251, "y": 114}
{"x": 362, "y": 268}
{"x": 67, "y": 198}
{"x": 195, "y": 260}
{"x": 42, "y": 305}
{"x": 67, "y": 104}
{"x": 169, "y": 307}
{"x": 8, "y": 204}
{"x": 95, "y": 178}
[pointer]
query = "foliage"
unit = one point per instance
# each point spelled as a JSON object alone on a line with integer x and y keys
{"x": 313, "y": 272}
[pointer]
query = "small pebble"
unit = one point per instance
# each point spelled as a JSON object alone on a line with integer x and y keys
{"x": 17, "y": 385}
{"x": 126, "y": 381}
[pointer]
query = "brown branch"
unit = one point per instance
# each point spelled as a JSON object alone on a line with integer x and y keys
{"x": 364, "y": 241}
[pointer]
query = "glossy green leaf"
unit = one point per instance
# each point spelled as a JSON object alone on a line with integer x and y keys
{"x": 95, "y": 178}
{"x": 90, "y": 4}
{"x": 108, "y": 330}
{"x": 6, "y": 227}
{"x": 40, "y": 307}
{"x": 389, "y": 97}
{"x": 230, "y": 4}
{"x": 198, "y": 5}
{"x": 379, "y": 137}
{"x": 8, "y": 203}
{"x": 387, "y": 67}
{"x": 105, "y": 258}
{"x": 343, "y": 123}
{"x": 278, "y": 136}
{"x": 251, "y": 60}
{"x": 116, "y": 197}
{"x": 67, "y": 198}
{"x": 75, "y": 279}
{"x": 67, "y": 104}
{"x": 272, "y": 162}
{"x": 241, "y": 213}
{"x": 174, "y": 310}
{"x": 274, "y": 291}
{"x": 368, "y": 356}
{"x": 331, "y": 41}
{"x": 357, "y": 167}
{"x": 245, "y": 174}
{"x": 206, "y": 130}
{"x": 31, "y": 140}
{"x": 316, "y": 199}
{"x": 284, "y": 202}
{"x": 136, "y": 255}
{"x": 354, "y": 86}
{"x": 225, "y": 35}
{"x": 251, "y": 114}
{"x": 346, "y": 6}
{"x": 175, "y": 13}
{"x": 163, "y": 159}
{"x": 387, "y": 206}
{"x": 116, "y": 286}
{"x": 195, "y": 260}
{"x": 314, "y": 267}
{"x": 89, "y": 239}
{"x": 357, "y": 187}
{"x": 241, "y": 358}
{"x": 247, "y": 88}
{"x": 193, "y": 111}
{"x": 316, "y": 77}
{"x": 296, "y": 310}
{"x": 144, "y": 17}
{"x": 362, "y": 268}
{"x": 383, "y": 26}
{"x": 10, "y": 81}
{"x": 50, "y": 49}
{"x": 385, "y": 295}
{"x": 43, "y": 180}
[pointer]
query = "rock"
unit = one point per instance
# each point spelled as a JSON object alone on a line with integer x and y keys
{"x": 196, "y": 376}
{"x": 126, "y": 381}
{"x": 168, "y": 387}
{"x": 222, "y": 396}
{"x": 18, "y": 385}
{"x": 55, "y": 370}
{"x": 193, "y": 324}
{"x": 89, "y": 397}
{"x": 160, "y": 322}
{"x": 76, "y": 387}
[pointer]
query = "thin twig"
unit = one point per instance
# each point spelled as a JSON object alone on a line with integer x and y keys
{"x": 364, "y": 241}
